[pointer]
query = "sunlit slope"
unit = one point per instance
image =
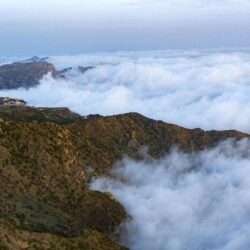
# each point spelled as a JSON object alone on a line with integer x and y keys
{"x": 48, "y": 157}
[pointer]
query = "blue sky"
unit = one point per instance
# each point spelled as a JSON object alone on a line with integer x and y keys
{"x": 47, "y": 27}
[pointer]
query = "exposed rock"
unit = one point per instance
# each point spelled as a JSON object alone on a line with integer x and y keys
{"x": 46, "y": 156}
{"x": 29, "y": 72}
{"x": 25, "y": 75}
{"x": 7, "y": 101}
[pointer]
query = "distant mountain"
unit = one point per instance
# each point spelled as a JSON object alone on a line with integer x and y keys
{"x": 84, "y": 69}
{"x": 47, "y": 158}
{"x": 24, "y": 75}
{"x": 28, "y": 73}
{"x": 63, "y": 73}
{"x": 35, "y": 59}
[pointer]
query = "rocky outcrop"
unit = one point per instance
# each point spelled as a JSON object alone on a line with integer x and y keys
{"x": 24, "y": 75}
{"x": 7, "y": 101}
{"x": 47, "y": 158}
{"x": 28, "y": 73}
{"x": 63, "y": 73}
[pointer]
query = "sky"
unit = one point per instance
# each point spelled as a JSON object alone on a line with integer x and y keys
{"x": 29, "y": 27}
{"x": 198, "y": 200}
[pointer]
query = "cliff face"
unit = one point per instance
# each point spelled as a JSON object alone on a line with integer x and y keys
{"x": 29, "y": 72}
{"x": 25, "y": 75}
{"x": 47, "y": 159}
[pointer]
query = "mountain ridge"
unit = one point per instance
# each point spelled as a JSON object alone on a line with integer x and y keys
{"x": 49, "y": 155}
{"x": 29, "y": 73}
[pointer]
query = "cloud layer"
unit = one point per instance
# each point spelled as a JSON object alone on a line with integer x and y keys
{"x": 186, "y": 201}
{"x": 183, "y": 201}
{"x": 210, "y": 90}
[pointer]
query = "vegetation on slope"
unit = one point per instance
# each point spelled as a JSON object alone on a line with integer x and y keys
{"x": 48, "y": 156}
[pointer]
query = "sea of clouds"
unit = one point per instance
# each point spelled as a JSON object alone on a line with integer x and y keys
{"x": 198, "y": 201}
{"x": 207, "y": 89}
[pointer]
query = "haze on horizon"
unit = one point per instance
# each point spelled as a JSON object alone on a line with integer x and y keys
{"x": 46, "y": 27}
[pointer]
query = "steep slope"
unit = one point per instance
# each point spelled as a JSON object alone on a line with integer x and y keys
{"x": 28, "y": 73}
{"x": 47, "y": 159}
{"x": 25, "y": 75}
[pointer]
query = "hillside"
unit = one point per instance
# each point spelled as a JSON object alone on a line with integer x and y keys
{"x": 48, "y": 157}
{"x": 24, "y": 75}
{"x": 28, "y": 73}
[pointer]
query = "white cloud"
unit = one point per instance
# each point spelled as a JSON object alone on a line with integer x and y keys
{"x": 185, "y": 201}
{"x": 210, "y": 90}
